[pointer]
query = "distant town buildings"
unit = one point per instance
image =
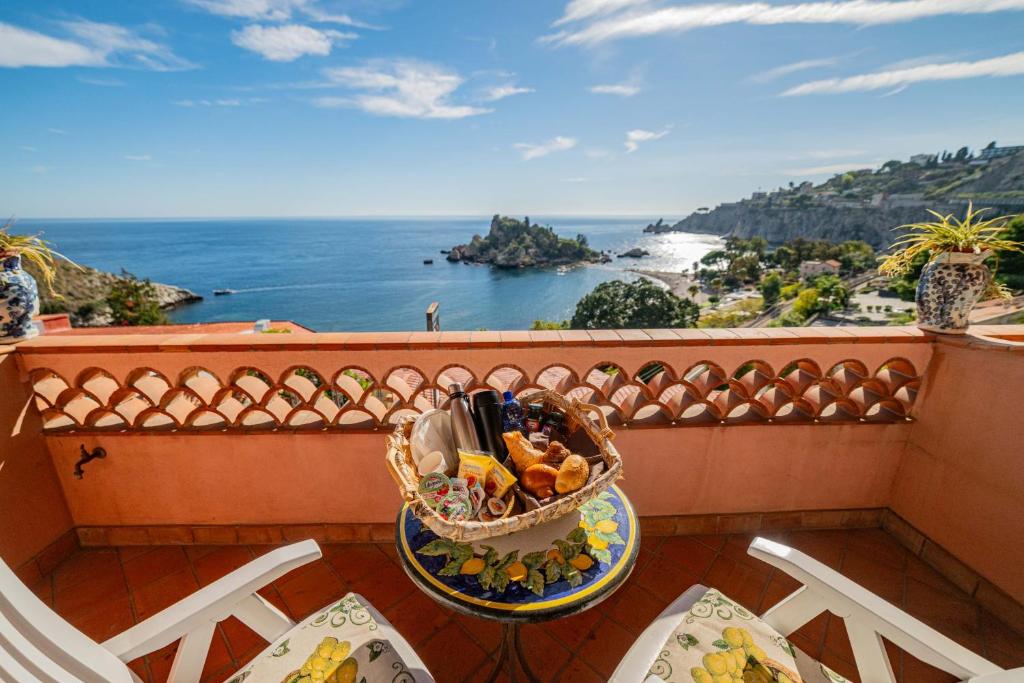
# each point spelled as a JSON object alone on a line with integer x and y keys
{"x": 923, "y": 159}
{"x": 811, "y": 269}
{"x": 992, "y": 152}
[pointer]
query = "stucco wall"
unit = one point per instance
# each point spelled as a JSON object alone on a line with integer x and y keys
{"x": 34, "y": 513}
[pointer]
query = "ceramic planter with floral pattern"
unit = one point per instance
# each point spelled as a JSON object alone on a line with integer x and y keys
{"x": 19, "y": 300}
{"x": 950, "y": 285}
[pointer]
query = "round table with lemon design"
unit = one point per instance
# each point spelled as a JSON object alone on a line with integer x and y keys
{"x": 550, "y": 571}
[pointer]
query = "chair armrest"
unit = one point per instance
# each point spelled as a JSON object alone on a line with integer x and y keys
{"x": 218, "y": 601}
{"x": 865, "y": 610}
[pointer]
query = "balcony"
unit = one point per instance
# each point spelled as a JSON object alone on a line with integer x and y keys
{"x": 887, "y": 453}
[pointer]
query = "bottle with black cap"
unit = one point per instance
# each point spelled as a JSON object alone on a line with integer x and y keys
{"x": 487, "y": 411}
{"x": 463, "y": 428}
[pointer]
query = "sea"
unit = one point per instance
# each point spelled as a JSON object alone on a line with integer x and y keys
{"x": 358, "y": 274}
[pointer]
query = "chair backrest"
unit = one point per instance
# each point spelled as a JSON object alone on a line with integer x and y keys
{"x": 36, "y": 644}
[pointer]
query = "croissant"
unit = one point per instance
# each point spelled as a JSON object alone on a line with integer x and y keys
{"x": 523, "y": 454}
{"x": 539, "y": 480}
{"x": 572, "y": 475}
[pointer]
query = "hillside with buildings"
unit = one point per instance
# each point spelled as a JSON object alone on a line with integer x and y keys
{"x": 865, "y": 204}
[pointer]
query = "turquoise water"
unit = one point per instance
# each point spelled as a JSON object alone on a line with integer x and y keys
{"x": 356, "y": 274}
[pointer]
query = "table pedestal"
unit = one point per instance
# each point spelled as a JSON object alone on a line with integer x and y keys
{"x": 509, "y": 654}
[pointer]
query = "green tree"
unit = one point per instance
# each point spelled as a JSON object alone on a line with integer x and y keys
{"x": 549, "y": 325}
{"x": 134, "y": 302}
{"x": 1010, "y": 267}
{"x": 832, "y": 293}
{"x": 807, "y": 303}
{"x": 618, "y": 304}
{"x": 771, "y": 288}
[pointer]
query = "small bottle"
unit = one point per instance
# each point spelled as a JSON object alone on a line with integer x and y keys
{"x": 512, "y": 414}
{"x": 534, "y": 418}
{"x": 552, "y": 427}
{"x": 463, "y": 428}
{"x": 487, "y": 411}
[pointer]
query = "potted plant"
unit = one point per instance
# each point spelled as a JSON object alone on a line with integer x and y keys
{"x": 19, "y": 295}
{"x": 955, "y": 276}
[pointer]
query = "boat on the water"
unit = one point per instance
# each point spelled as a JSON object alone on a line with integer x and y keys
{"x": 222, "y": 292}
{"x": 428, "y": 261}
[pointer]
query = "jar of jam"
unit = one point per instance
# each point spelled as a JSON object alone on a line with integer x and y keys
{"x": 533, "y": 419}
{"x": 553, "y": 426}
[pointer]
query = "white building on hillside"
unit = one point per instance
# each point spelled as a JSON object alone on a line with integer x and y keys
{"x": 810, "y": 269}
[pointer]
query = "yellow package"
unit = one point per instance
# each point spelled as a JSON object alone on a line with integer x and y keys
{"x": 474, "y": 467}
{"x": 498, "y": 481}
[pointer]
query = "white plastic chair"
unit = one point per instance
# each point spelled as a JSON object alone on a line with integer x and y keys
{"x": 36, "y": 644}
{"x": 868, "y": 618}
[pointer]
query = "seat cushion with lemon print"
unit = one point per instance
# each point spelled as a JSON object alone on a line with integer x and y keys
{"x": 339, "y": 644}
{"x": 718, "y": 641}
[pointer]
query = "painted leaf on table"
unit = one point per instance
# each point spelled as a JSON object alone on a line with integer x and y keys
{"x": 602, "y": 555}
{"x": 452, "y": 568}
{"x": 501, "y": 579}
{"x": 578, "y": 535}
{"x": 552, "y": 571}
{"x": 511, "y": 557}
{"x": 721, "y": 644}
{"x": 486, "y": 578}
{"x": 568, "y": 550}
{"x": 571, "y": 574}
{"x": 533, "y": 560}
{"x": 611, "y": 538}
{"x": 490, "y": 556}
{"x": 535, "y": 582}
{"x": 440, "y": 546}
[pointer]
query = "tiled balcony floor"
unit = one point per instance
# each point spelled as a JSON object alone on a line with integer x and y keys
{"x": 104, "y": 591}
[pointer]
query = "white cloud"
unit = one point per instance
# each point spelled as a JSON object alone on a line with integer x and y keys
{"x": 500, "y": 92}
{"x": 583, "y": 9}
{"x": 620, "y": 89}
{"x": 272, "y": 10}
{"x": 288, "y": 42}
{"x": 225, "y": 102}
{"x": 898, "y": 79}
{"x": 638, "y": 135}
{"x": 403, "y": 87}
{"x": 138, "y": 157}
{"x": 787, "y": 69}
{"x": 26, "y": 148}
{"x": 530, "y": 150}
{"x": 57, "y": 131}
{"x": 102, "y": 82}
{"x": 674, "y": 19}
{"x": 89, "y": 43}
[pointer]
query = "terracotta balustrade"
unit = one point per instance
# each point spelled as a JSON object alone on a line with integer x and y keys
{"x": 368, "y": 381}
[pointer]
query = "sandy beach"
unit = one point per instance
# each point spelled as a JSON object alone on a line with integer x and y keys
{"x": 677, "y": 283}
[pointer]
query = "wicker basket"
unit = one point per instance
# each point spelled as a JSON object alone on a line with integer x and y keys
{"x": 403, "y": 471}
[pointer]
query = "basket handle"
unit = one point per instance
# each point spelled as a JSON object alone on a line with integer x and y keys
{"x": 606, "y": 432}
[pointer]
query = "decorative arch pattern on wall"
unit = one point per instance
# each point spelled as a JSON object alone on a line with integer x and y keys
{"x": 351, "y": 398}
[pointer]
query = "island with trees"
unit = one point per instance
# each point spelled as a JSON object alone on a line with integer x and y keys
{"x": 512, "y": 243}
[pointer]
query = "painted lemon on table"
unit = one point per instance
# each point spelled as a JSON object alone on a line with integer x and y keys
{"x": 329, "y": 663}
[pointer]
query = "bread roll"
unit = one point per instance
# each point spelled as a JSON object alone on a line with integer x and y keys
{"x": 572, "y": 475}
{"x": 523, "y": 454}
{"x": 539, "y": 480}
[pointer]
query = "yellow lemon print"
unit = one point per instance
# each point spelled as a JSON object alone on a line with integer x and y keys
{"x": 716, "y": 663}
{"x": 606, "y": 526}
{"x": 596, "y": 543}
{"x": 700, "y": 675}
{"x": 733, "y": 636}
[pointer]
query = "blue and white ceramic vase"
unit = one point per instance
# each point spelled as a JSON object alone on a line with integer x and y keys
{"x": 19, "y": 300}
{"x": 949, "y": 287}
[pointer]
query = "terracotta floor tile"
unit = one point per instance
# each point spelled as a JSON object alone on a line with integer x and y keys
{"x": 780, "y": 586}
{"x": 315, "y": 587}
{"x": 811, "y": 636}
{"x": 878, "y": 545}
{"x": 194, "y": 552}
{"x": 573, "y": 631}
{"x": 667, "y": 579}
{"x": 916, "y": 671}
{"x": 841, "y": 666}
{"x": 542, "y": 651}
{"x": 605, "y": 647}
{"x": 43, "y": 589}
{"x": 104, "y": 620}
{"x": 688, "y": 552}
{"x": 220, "y": 562}
{"x": 384, "y": 587}
{"x": 735, "y": 548}
{"x": 484, "y": 632}
{"x": 881, "y": 578}
{"x": 740, "y": 582}
{"x": 713, "y": 541}
{"x": 417, "y": 617}
{"x": 1002, "y": 639}
{"x": 635, "y": 609}
{"x": 354, "y": 561}
{"x": 451, "y": 656}
{"x": 836, "y": 639}
{"x": 86, "y": 596}
{"x": 155, "y": 564}
{"x": 951, "y": 613}
{"x": 163, "y": 592}
{"x": 579, "y": 672}
{"x": 826, "y": 546}
{"x": 85, "y": 566}
{"x": 217, "y": 667}
{"x": 241, "y": 640}
{"x": 127, "y": 552}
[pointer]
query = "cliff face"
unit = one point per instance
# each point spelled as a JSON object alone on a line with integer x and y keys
{"x": 84, "y": 292}
{"x": 517, "y": 244}
{"x": 836, "y": 224}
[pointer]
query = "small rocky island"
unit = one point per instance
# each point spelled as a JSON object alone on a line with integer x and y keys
{"x": 635, "y": 252}
{"x": 512, "y": 243}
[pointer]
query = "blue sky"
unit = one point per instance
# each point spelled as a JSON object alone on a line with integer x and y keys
{"x": 117, "y": 108}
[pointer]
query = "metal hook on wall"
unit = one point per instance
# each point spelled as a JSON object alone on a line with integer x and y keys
{"x": 98, "y": 452}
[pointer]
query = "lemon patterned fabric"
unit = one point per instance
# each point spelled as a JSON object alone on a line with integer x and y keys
{"x": 340, "y": 644}
{"x": 717, "y": 640}
{"x": 813, "y": 671}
